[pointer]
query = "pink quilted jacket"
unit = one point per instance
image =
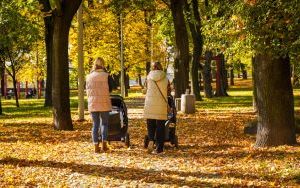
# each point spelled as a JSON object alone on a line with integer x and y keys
{"x": 97, "y": 90}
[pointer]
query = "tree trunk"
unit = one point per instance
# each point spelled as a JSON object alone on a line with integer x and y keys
{"x": 296, "y": 72}
{"x": 181, "y": 63}
{"x": 224, "y": 74}
{"x": 275, "y": 103}
{"x": 208, "y": 93}
{"x": 231, "y": 77}
{"x": 48, "y": 22}
{"x": 200, "y": 78}
{"x": 244, "y": 75}
{"x": 195, "y": 28}
{"x": 221, "y": 77}
{"x": 26, "y": 89}
{"x": 62, "y": 18}
{"x": 19, "y": 90}
{"x": 121, "y": 47}
{"x": 2, "y": 85}
{"x": 60, "y": 90}
{"x": 1, "y": 105}
{"x": 238, "y": 74}
{"x": 148, "y": 67}
{"x": 244, "y": 71}
{"x": 140, "y": 81}
{"x": 127, "y": 86}
{"x": 148, "y": 22}
{"x": 40, "y": 89}
{"x": 254, "y": 81}
{"x": 15, "y": 89}
{"x": 2, "y": 73}
{"x": 81, "y": 80}
{"x": 116, "y": 81}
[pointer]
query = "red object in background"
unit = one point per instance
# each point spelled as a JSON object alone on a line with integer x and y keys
{"x": 26, "y": 88}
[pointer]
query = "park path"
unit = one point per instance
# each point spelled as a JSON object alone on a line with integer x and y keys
{"x": 213, "y": 151}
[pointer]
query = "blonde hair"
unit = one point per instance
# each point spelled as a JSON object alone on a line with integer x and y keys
{"x": 98, "y": 63}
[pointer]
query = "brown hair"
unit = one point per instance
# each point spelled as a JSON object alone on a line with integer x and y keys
{"x": 157, "y": 66}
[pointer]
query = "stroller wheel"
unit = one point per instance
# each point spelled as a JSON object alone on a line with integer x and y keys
{"x": 146, "y": 142}
{"x": 127, "y": 140}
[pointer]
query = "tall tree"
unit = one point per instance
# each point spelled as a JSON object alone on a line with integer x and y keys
{"x": 194, "y": 21}
{"x": 231, "y": 69}
{"x": 181, "y": 62}
{"x": 275, "y": 104}
{"x": 48, "y": 22}
{"x": 1, "y": 105}
{"x": 15, "y": 44}
{"x": 62, "y": 15}
{"x": 272, "y": 39}
{"x": 254, "y": 81}
{"x": 244, "y": 71}
{"x": 80, "y": 64}
{"x": 1, "y": 77}
{"x": 207, "y": 77}
{"x": 221, "y": 77}
{"x": 148, "y": 17}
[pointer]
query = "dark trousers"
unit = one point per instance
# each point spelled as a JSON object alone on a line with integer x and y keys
{"x": 156, "y": 131}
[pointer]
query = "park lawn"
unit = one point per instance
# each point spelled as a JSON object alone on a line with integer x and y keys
{"x": 213, "y": 149}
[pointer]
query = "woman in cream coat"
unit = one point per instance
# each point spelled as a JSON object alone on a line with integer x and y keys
{"x": 155, "y": 109}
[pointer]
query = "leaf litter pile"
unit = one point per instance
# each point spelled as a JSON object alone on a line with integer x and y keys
{"x": 213, "y": 152}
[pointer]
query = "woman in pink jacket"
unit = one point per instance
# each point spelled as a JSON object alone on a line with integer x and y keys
{"x": 99, "y": 103}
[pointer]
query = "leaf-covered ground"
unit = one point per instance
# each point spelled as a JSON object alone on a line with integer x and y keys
{"x": 213, "y": 150}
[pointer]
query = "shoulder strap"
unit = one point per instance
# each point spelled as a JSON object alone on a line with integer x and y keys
{"x": 160, "y": 92}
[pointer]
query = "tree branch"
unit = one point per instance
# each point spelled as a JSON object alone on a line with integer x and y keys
{"x": 58, "y": 7}
{"x": 70, "y": 7}
{"x": 46, "y": 5}
{"x": 167, "y": 3}
{"x": 11, "y": 61}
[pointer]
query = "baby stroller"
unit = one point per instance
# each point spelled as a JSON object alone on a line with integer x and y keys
{"x": 118, "y": 121}
{"x": 170, "y": 126}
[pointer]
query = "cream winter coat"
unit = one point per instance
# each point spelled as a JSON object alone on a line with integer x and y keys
{"x": 155, "y": 105}
{"x": 97, "y": 90}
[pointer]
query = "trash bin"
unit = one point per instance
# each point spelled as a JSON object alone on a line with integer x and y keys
{"x": 188, "y": 103}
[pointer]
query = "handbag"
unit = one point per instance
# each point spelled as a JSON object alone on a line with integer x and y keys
{"x": 168, "y": 107}
{"x": 160, "y": 92}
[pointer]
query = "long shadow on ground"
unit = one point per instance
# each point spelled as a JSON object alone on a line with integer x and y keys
{"x": 123, "y": 173}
